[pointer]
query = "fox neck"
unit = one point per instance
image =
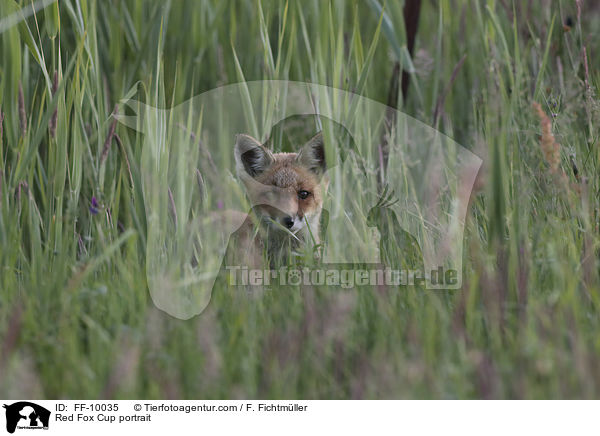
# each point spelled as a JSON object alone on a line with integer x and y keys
{"x": 281, "y": 247}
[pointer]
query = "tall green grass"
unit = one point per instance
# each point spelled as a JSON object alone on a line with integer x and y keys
{"x": 75, "y": 315}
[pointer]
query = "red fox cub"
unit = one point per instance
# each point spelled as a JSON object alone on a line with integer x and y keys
{"x": 286, "y": 193}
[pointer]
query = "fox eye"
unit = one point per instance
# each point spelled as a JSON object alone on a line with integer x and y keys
{"x": 303, "y": 194}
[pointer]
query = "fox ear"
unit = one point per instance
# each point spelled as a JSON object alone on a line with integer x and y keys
{"x": 312, "y": 155}
{"x": 250, "y": 156}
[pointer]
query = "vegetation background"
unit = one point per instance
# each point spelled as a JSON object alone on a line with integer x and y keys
{"x": 76, "y": 320}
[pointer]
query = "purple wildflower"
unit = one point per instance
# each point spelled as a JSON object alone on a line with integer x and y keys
{"x": 94, "y": 208}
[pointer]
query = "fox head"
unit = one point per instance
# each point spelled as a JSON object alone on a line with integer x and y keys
{"x": 286, "y": 189}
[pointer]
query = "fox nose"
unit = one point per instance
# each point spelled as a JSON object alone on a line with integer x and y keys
{"x": 288, "y": 221}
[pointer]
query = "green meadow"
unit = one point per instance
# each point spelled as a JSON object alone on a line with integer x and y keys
{"x": 515, "y": 82}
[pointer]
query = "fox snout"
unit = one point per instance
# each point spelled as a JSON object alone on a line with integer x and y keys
{"x": 283, "y": 221}
{"x": 292, "y": 223}
{"x": 284, "y": 213}
{"x": 288, "y": 221}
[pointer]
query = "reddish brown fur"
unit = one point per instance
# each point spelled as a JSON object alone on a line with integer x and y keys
{"x": 286, "y": 173}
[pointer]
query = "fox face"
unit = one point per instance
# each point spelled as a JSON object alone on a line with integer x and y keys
{"x": 285, "y": 189}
